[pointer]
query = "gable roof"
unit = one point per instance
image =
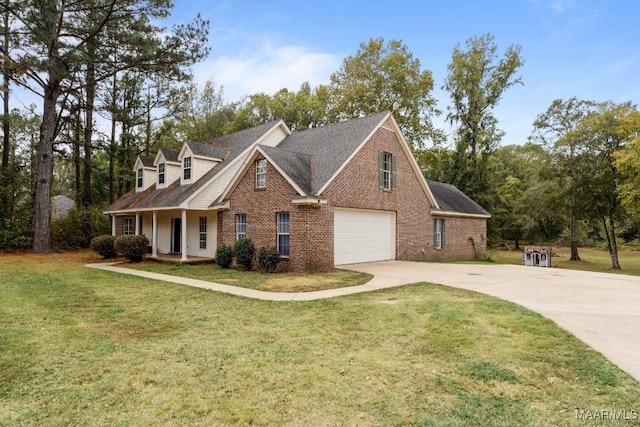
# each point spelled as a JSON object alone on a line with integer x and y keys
{"x": 312, "y": 158}
{"x": 296, "y": 166}
{"x": 145, "y": 161}
{"x": 344, "y": 137}
{"x": 453, "y": 202}
{"x": 200, "y": 149}
{"x": 173, "y": 195}
{"x": 170, "y": 156}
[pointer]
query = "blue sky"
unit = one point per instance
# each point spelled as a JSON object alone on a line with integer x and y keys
{"x": 584, "y": 48}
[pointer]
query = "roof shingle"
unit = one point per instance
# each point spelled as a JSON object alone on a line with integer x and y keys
{"x": 450, "y": 199}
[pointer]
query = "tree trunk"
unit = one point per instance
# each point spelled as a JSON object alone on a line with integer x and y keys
{"x": 112, "y": 161}
{"x": 6, "y": 175}
{"x": 88, "y": 126}
{"x": 573, "y": 229}
{"x": 112, "y": 142}
{"x": 44, "y": 170}
{"x": 147, "y": 129}
{"x": 76, "y": 159}
{"x": 611, "y": 240}
{"x": 6, "y": 74}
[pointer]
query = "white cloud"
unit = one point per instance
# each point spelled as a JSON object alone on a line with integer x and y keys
{"x": 267, "y": 69}
{"x": 558, "y": 6}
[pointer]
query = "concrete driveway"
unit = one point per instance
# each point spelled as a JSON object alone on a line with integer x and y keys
{"x": 601, "y": 309}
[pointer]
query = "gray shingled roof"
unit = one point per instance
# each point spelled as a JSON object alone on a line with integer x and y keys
{"x": 230, "y": 145}
{"x": 450, "y": 199}
{"x": 331, "y": 145}
{"x": 295, "y": 165}
{"x": 206, "y": 150}
{"x": 147, "y": 161}
{"x": 170, "y": 155}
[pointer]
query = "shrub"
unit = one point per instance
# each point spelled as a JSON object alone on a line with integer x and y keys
{"x": 132, "y": 247}
{"x": 78, "y": 227}
{"x": 268, "y": 259}
{"x": 224, "y": 255}
{"x": 104, "y": 245}
{"x": 245, "y": 252}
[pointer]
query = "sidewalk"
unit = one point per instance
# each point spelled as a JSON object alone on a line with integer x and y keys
{"x": 372, "y": 285}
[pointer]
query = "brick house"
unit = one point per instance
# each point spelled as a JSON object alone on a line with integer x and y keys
{"x": 343, "y": 193}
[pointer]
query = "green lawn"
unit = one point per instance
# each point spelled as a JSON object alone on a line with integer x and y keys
{"x": 85, "y": 347}
{"x": 591, "y": 259}
{"x": 275, "y": 282}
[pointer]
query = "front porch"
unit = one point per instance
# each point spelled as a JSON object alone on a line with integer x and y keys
{"x": 175, "y": 236}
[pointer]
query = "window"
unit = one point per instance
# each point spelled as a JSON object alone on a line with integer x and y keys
{"x": 261, "y": 173}
{"x": 127, "y": 226}
{"x": 438, "y": 233}
{"x": 186, "y": 165}
{"x": 241, "y": 226}
{"x": 386, "y": 171}
{"x": 283, "y": 233}
{"x": 140, "y": 174}
{"x": 161, "y": 173}
{"x": 203, "y": 232}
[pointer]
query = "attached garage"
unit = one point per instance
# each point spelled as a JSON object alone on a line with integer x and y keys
{"x": 364, "y": 236}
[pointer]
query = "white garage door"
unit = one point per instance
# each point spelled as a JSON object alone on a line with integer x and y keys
{"x": 363, "y": 236}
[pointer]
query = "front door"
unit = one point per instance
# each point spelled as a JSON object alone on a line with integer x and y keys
{"x": 176, "y": 234}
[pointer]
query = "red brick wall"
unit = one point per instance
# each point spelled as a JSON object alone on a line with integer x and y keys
{"x": 307, "y": 225}
{"x": 465, "y": 239}
{"x": 414, "y": 223}
{"x": 311, "y": 228}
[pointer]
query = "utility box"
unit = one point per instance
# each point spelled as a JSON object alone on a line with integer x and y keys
{"x": 537, "y": 256}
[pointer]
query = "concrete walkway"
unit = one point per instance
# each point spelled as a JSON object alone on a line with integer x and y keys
{"x": 372, "y": 285}
{"x": 601, "y": 309}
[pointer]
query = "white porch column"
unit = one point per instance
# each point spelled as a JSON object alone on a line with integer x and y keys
{"x": 183, "y": 234}
{"x": 154, "y": 235}
{"x": 137, "y": 233}
{"x": 113, "y": 225}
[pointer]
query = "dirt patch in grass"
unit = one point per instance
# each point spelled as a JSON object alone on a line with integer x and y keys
{"x": 316, "y": 282}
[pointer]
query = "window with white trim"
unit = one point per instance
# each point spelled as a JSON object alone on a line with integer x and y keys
{"x": 241, "y": 226}
{"x": 386, "y": 171}
{"x": 161, "y": 168}
{"x": 261, "y": 173}
{"x": 186, "y": 166}
{"x": 203, "y": 232}
{"x": 127, "y": 226}
{"x": 283, "y": 233}
{"x": 140, "y": 175}
{"x": 439, "y": 231}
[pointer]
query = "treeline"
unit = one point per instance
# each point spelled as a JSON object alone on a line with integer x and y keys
{"x": 115, "y": 84}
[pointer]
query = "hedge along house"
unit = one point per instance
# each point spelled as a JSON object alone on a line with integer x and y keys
{"x": 343, "y": 193}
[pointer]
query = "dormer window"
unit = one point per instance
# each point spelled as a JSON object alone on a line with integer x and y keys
{"x": 139, "y": 180}
{"x": 261, "y": 173}
{"x": 186, "y": 165}
{"x": 161, "y": 167}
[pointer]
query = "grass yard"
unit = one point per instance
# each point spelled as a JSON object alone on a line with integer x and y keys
{"x": 591, "y": 259}
{"x": 85, "y": 347}
{"x": 275, "y": 282}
